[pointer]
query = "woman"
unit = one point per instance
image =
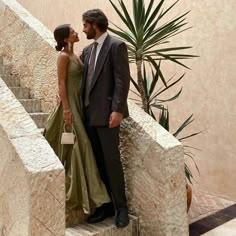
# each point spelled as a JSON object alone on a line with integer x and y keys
{"x": 84, "y": 188}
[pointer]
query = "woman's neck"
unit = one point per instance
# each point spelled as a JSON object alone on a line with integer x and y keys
{"x": 69, "y": 48}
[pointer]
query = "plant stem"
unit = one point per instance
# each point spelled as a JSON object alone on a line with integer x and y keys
{"x": 140, "y": 85}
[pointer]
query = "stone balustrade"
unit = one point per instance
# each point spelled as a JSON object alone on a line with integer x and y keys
{"x": 153, "y": 165}
{"x": 29, "y": 46}
{"x": 32, "y": 190}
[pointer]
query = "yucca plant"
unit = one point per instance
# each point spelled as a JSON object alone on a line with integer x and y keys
{"x": 153, "y": 92}
{"x": 147, "y": 41}
{"x": 148, "y": 35}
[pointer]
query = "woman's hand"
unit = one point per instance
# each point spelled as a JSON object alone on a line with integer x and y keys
{"x": 68, "y": 117}
{"x": 58, "y": 99}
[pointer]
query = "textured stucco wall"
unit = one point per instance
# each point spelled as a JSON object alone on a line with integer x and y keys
{"x": 209, "y": 89}
{"x": 55, "y": 12}
{"x": 32, "y": 198}
{"x": 210, "y": 93}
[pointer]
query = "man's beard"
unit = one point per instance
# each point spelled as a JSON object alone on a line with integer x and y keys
{"x": 91, "y": 33}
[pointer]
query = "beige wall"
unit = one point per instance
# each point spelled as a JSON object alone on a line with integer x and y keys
{"x": 209, "y": 89}
{"x": 55, "y": 12}
{"x": 210, "y": 93}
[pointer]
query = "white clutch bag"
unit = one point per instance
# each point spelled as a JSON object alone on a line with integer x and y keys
{"x": 68, "y": 137}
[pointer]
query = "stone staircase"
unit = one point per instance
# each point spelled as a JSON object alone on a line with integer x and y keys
{"x": 33, "y": 107}
{"x": 105, "y": 228}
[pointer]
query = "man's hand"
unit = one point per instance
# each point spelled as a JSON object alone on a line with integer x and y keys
{"x": 115, "y": 119}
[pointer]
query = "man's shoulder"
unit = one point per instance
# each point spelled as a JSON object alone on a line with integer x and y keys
{"x": 115, "y": 40}
{"x": 87, "y": 47}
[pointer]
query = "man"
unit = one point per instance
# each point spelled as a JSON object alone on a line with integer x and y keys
{"x": 105, "y": 89}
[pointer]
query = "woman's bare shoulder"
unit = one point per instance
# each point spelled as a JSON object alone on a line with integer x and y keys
{"x": 63, "y": 57}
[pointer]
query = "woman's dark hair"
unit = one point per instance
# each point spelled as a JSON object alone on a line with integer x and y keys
{"x": 60, "y": 34}
{"x": 98, "y": 17}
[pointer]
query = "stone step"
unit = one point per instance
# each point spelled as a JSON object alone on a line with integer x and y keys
{"x": 226, "y": 229}
{"x": 39, "y": 118}
{"x": 104, "y": 228}
{"x": 1, "y": 70}
{"x": 21, "y": 93}
{"x": 11, "y": 80}
{"x": 31, "y": 105}
{"x": 6, "y": 70}
{"x": 1, "y": 65}
{"x": 41, "y": 130}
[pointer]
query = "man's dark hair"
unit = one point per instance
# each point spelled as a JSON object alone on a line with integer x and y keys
{"x": 98, "y": 17}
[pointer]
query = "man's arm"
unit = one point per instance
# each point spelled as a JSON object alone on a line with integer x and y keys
{"x": 121, "y": 75}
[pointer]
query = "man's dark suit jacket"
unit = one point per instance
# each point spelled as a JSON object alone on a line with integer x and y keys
{"x": 110, "y": 84}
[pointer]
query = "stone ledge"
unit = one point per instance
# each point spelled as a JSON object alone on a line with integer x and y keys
{"x": 154, "y": 171}
{"x": 32, "y": 194}
{"x": 29, "y": 20}
{"x": 35, "y": 58}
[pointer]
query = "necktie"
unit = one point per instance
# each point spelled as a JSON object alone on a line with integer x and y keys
{"x": 90, "y": 74}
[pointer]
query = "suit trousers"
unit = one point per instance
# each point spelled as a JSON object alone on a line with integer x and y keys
{"x": 105, "y": 144}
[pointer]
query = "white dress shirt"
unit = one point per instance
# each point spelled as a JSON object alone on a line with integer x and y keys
{"x": 100, "y": 42}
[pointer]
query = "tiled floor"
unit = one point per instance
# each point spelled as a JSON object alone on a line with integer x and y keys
{"x": 209, "y": 211}
{"x": 227, "y": 229}
{"x": 204, "y": 204}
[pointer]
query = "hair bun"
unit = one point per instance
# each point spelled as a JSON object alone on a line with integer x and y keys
{"x": 58, "y": 47}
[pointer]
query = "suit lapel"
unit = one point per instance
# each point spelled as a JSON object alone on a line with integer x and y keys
{"x": 87, "y": 56}
{"x": 85, "y": 70}
{"x": 100, "y": 60}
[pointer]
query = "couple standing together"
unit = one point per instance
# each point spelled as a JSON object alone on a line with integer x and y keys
{"x": 93, "y": 90}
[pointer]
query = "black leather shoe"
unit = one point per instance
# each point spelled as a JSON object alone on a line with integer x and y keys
{"x": 97, "y": 216}
{"x": 100, "y": 214}
{"x": 109, "y": 209}
{"x": 122, "y": 218}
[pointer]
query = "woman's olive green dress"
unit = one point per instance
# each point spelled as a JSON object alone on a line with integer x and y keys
{"x": 84, "y": 188}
